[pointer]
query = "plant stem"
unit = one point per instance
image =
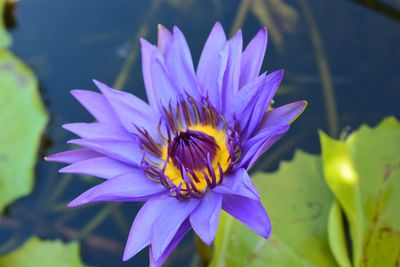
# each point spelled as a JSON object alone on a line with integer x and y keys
{"x": 205, "y": 251}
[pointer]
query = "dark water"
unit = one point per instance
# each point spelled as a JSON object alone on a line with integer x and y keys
{"x": 341, "y": 56}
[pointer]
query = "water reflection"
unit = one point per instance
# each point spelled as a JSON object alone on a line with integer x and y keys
{"x": 390, "y": 10}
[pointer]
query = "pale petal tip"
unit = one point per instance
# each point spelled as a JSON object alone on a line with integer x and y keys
{"x": 263, "y": 30}
{"x": 102, "y": 86}
{"x": 75, "y": 141}
{"x": 267, "y": 233}
{"x": 96, "y": 82}
{"x": 67, "y": 126}
{"x": 64, "y": 170}
{"x": 218, "y": 27}
{"x": 83, "y": 199}
{"x": 74, "y": 203}
{"x": 127, "y": 254}
{"x": 305, "y": 104}
{"x": 218, "y": 24}
{"x": 238, "y": 34}
{"x": 53, "y": 157}
{"x": 145, "y": 43}
{"x": 160, "y": 27}
{"x": 76, "y": 92}
{"x": 126, "y": 258}
{"x": 208, "y": 240}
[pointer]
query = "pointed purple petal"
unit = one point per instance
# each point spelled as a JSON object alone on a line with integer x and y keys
{"x": 255, "y": 147}
{"x": 212, "y": 65}
{"x": 232, "y": 72}
{"x": 244, "y": 101}
{"x": 205, "y": 217}
{"x": 139, "y": 235}
{"x": 272, "y": 82}
{"x": 160, "y": 89}
{"x": 72, "y": 156}
{"x": 130, "y": 110}
{"x": 178, "y": 61}
{"x": 132, "y": 186}
{"x": 215, "y": 43}
{"x": 99, "y": 130}
{"x": 283, "y": 115}
{"x": 252, "y": 101}
{"x": 147, "y": 50}
{"x": 128, "y": 152}
{"x": 96, "y": 104}
{"x": 238, "y": 183}
{"x": 168, "y": 223}
{"x": 185, "y": 227}
{"x": 101, "y": 167}
{"x": 164, "y": 38}
{"x": 248, "y": 211}
{"x": 253, "y": 57}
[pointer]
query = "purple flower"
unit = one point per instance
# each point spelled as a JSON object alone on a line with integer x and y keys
{"x": 187, "y": 152}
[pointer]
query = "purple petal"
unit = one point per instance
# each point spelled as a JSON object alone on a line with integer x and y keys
{"x": 132, "y": 186}
{"x": 212, "y": 65}
{"x": 99, "y": 130}
{"x": 252, "y": 101}
{"x": 185, "y": 227}
{"x": 272, "y": 82}
{"x": 255, "y": 147}
{"x": 248, "y": 211}
{"x": 283, "y": 115}
{"x": 72, "y": 156}
{"x": 139, "y": 235}
{"x": 167, "y": 224}
{"x": 164, "y": 38}
{"x": 101, "y": 167}
{"x": 205, "y": 217}
{"x": 160, "y": 89}
{"x": 244, "y": 101}
{"x": 96, "y": 104}
{"x": 232, "y": 72}
{"x": 253, "y": 57}
{"x": 179, "y": 63}
{"x": 130, "y": 110}
{"x": 238, "y": 183}
{"x": 147, "y": 53}
{"x": 128, "y": 152}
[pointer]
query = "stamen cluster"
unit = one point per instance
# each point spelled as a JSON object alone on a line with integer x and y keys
{"x": 195, "y": 149}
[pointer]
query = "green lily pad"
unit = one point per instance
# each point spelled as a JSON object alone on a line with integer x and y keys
{"x": 364, "y": 174}
{"x": 5, "y": 39}
{"x": 23, "y": 120}
{"x": 38, "y": 253}
{"x": 298, "y": 202}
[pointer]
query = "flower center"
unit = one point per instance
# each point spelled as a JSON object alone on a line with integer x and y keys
{"x": 195, "y": 149}
{"x": 191, "y": 149}
{"x": 196, "y": 159}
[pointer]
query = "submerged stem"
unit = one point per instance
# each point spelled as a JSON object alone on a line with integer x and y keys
{"x": 323, "y": 67}
{"x": 205, "y": 251}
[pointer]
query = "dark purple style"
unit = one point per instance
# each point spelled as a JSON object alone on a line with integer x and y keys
{"x": 185, "y": 154}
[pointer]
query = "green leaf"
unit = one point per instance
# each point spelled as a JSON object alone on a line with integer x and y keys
{"x": 23, "y": 120}
{"x": 337, "y": 236}
{"x": 364, "y": 174}
{"x": 38, "y": 253}
{"x": 298, "y": 202}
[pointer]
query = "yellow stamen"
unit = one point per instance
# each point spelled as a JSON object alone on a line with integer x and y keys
{"x": 221, "y": 159}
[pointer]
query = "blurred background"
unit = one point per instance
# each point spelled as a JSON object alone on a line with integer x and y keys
{"x": 341, "y": 56}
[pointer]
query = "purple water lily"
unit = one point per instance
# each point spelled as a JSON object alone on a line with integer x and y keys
{"x": 187, "y": 152}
